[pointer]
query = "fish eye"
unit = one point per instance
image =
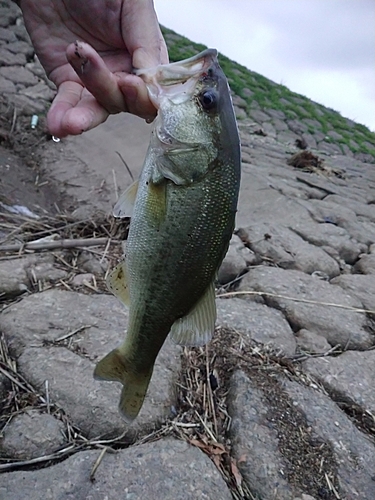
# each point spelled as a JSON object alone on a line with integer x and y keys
{"x": 208, "y": 99}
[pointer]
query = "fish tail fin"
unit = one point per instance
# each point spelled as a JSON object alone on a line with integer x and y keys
{"x": 115, "y": 367}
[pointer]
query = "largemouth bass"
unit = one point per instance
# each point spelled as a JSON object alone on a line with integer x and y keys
{"x": 182, "y": 217}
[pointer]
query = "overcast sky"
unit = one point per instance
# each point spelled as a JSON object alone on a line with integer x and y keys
{"x": 323, "y": 49}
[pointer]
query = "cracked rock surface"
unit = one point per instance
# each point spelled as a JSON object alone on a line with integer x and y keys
{"x": 279, "y": 405}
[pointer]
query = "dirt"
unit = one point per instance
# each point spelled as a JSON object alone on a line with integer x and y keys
{"x": 22, "y": 180}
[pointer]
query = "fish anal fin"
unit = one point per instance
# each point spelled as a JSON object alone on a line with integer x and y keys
{"x": 197, "y": 327}
{"x": 115, "y": 367}
{"x": 125, "y": 204}
{"x": 117, "y": 283}
{"x": 111, "y": 367}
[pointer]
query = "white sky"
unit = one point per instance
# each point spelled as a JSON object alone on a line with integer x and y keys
{"x": 323, "y": 49}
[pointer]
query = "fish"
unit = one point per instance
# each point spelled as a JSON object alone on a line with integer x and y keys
{"x": 182, "y": 212}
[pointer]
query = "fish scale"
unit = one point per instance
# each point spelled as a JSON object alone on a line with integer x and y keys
{"x": 181, "y": 223}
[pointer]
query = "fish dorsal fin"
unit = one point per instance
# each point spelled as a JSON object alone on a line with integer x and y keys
{"x": 197, "y": 327}
{"x": 125, "y": 204}
{"x": 117, "y": 283}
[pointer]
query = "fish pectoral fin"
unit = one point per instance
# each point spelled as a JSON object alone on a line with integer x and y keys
{"x": 114, "y": 367}
{"x": 125, "y": 204}
{"x": 117, "y": 283}
{"x": 197, "y": 327}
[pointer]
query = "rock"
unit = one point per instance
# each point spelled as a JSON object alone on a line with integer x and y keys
{"x": 32, "y": 434}
{"x": 167, "y": 469}
{"x": 365, "y": 264}
{"x": 287, "y": 137}
{"x": 329, "y": 148}
{"x": 363, "y": 232}
{"x": 350, "y": 376}
{"x": 297, "y": 126}
{"x": 311, "y": 342}
{"x": 255, "y": 441}
{"x": 259, "y": 116}
{"x": 353, "y": 452}
{"x": 257, "y": 322}
{"x": 18, "y": 74}
{"x": 43, "y": 268}
{"x": 39, "y": 91}
{"x": 322, "y": 211}
{"x": 240, "y": 113}
{"x": 361, "y": 209}
{"x": 7, "y": 35}
{"x": 330, "y": 235}
{"x": 18, "y": 46}
{"x": 287, "y": 249}
{"x": 16, "y": 275}
{"x": 27, "y": 106}
{"x": 7, "y": 16}
{"x": 360, "y": 286}
{"x": 31, "y": 328}
{"x": 236, "y": 261}
{"x": 6, "y": 86}
{"x": 13, "y": 279}
{"x": 341, "y": 326}
{"x": 8, "y": 58}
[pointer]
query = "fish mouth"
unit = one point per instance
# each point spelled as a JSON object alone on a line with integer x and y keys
{"x": 177, "y": 80}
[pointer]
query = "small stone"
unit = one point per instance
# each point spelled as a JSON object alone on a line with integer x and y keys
{"x": 81, "y": 279}
{"x": 91, "y": 264}
{"x": 311, "y": 342}
{"x": 32, "y": 434}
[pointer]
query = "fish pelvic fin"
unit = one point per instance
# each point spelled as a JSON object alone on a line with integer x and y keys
{"x": 117, "y": 283}
{"x": 115, "y": 367}
{"x": 197, "y": 327}
{"x": 125, "y": 204}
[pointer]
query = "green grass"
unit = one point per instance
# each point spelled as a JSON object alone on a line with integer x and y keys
{"x": 268, "y": 95}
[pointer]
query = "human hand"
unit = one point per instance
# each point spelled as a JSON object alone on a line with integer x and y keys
{"x": 94, "y": 74}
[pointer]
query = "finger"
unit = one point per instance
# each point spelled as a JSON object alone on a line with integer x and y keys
{"x": 147, "y": 46}
{"x": 96, "y": 76}
{"x": 74, "y": 111}
{"x": 136, "y": 97}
